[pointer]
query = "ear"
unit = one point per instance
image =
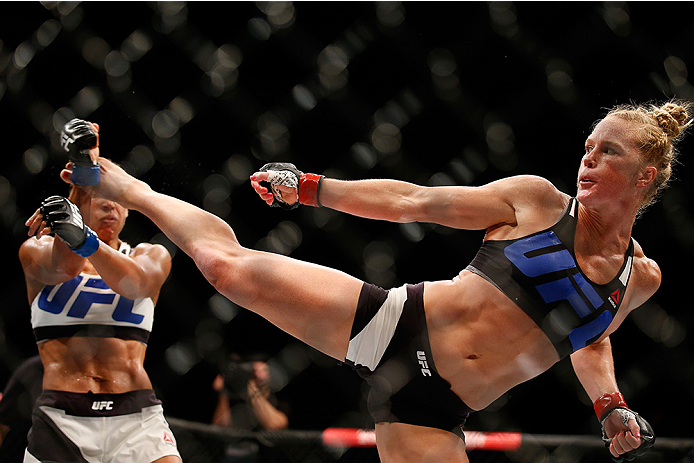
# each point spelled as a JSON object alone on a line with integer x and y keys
{"x": 647, "y": 177}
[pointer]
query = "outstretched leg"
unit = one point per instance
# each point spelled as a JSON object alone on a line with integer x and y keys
{"x": 312, "y": 303}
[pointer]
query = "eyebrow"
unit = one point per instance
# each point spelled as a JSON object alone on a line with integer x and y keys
{"x": 608, "y": 143}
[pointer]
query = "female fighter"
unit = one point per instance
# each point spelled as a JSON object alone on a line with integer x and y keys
{"x": 555, "y": 276}
{"x": 92, "y": 302}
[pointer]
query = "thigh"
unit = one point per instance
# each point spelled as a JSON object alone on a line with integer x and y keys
{"x": 143, "y": 437}
{"x": 169, "y": 459}
{"x": 56, "y": 437}
{"x": 407, "y": 443}
{"x": 313, "y": 303}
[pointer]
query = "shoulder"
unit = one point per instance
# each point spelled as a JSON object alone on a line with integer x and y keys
{"x": 524, "y": 182}
{"x": 536, "y": 204}
{"x": 530, "y": 190}
{"x": 150, "y": 249}
{"x": 29, "y": 248}
{"x": 645, "y": 277}
{"x": 155, "y": 254}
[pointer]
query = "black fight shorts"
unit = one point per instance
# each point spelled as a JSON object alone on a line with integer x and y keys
{"x": 389, "y": 348}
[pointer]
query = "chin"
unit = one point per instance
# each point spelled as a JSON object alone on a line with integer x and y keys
{"x": 582, "y": 195}
{"x": 587, "y": 197}
{"x": 105, "y": 235}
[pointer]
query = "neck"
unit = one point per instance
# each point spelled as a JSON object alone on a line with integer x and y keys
{"x": 605, "y": 229}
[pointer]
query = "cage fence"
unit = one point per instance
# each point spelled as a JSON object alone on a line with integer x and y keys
{"x": 203, "y": 443}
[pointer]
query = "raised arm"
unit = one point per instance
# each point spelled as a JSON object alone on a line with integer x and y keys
{"x": 471, "y": 208}
{"x": 140, "y": 275}
{"x": 48, "y": 260}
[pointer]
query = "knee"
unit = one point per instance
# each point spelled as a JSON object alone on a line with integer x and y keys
{"x": 217, "y": 264}
{"x": 229, "y": 270}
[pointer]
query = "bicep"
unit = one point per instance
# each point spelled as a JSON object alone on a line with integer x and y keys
{"x": 479, "y": 208}
{"x": 155, "y": 262}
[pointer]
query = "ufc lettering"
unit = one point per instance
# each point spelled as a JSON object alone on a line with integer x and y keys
{"x": 78, "y": 295}
{"x": 422, "y": 359}
{"x": 102, "y": 405}
{"x": 540, "y": 255}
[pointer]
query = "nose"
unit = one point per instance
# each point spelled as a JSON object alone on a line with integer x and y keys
{"x": 108, "y": 206}
{"x": 589, "y": 159}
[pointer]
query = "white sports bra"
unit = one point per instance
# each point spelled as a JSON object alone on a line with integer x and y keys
{"x": 86, "y": 306}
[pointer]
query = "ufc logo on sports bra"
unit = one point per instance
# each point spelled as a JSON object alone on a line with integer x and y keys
{"x": 534, "y": 257}
{"x": 80, "y": 294}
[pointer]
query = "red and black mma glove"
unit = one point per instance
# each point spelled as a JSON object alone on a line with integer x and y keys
{"x": 286, "y": 174}
{"x": 65, "y": 220}
{"x": 608, "y": 404}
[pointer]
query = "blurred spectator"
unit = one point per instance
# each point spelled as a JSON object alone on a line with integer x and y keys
{"x": 17, "y": 401}
{"x": 245, "y": 402}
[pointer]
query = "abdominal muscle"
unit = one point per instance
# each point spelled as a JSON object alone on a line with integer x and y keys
{"x": 482, "y": 343}
{"x": 90, "y": 364}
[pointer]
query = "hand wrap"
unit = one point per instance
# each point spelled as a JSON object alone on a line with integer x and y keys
{"x": 286, "y": 174}
{"x": 65, "y": 220}
{"x": 614, "y": 403}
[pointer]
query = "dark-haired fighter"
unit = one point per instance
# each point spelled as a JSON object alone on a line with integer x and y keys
{"x": 92, "y": 302}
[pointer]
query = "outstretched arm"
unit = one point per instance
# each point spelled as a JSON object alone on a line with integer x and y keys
{"x": 472, "y": 208}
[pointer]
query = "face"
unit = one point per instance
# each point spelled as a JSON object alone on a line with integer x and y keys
{"x": 262, "y": 373}
{"x": 611, "y": 169}
{"x": 107, "y": 218}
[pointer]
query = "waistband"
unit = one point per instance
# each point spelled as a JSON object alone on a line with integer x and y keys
{"x": 44, "y": 333}
{"x": 90, "y": 404}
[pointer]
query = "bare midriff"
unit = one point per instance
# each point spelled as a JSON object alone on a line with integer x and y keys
{"x": 91, "y": 364}
{"x": 482, "y": 343}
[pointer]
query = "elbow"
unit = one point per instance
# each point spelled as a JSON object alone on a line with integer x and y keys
{"x": 408, "y": 210}
{"x": 131, "y": 288}
{"x": 72, "y": 271}
{"x": 278, "y": 423}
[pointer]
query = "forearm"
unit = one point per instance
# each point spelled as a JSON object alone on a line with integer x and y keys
{"x": 594, "y": 368}
{"x": 390, "y": 200}
{"x": 49, "y": 261}
{"x": 4, "y": 429}
{"x": 121, "y": 273}
{"x": 269, "y": 417}
{"x": 222, "y": 412}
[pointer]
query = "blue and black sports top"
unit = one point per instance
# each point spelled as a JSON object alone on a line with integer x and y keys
{"x": 539, "y": 273}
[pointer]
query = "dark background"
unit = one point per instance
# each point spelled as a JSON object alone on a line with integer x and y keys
{"x": 193, "y": 97}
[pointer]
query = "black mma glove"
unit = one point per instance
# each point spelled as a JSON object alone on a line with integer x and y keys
{"x": 77, "y": 138}
{"x": 286, "y": 174}
{"x": 65, "y": 220}
{"x": 608, "y": 404}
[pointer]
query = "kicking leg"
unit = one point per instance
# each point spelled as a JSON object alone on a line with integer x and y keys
{"x": 313, "y": 303}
